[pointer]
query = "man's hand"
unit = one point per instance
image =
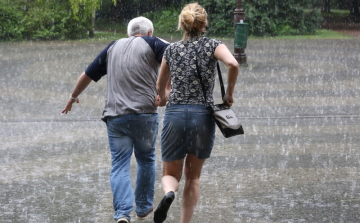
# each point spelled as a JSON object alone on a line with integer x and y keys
{"x": 160, "y": 103}
{"x": 69, "y": 105}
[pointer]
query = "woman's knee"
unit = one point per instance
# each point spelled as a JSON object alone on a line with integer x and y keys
{"x": 193, "y": 167}
{"x": 173, "y": 168}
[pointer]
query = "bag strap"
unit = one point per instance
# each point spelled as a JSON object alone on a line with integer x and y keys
{"x": 221, "y": 81}
{"x": 198, "y": 73}
{"x": 219, "y": 75}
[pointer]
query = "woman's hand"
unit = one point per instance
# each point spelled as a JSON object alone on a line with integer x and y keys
{"x": 228, "y": 99}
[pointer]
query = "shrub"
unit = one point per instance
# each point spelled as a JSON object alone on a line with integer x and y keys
{"x": 42, "y": 20}
{"x": 55, "y": 21}
{"x": 265, "y": 17}
{"x": 165, "y": 22}
{"x": 11, "y": 23}
{"x": 273, "y": 18}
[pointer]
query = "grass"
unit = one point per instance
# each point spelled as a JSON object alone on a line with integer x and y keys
{"x": 319, "y": 34}
{"x": 336, "y": 13}
{"x": 111, "y": 31}
{"x": 103, "y": 35}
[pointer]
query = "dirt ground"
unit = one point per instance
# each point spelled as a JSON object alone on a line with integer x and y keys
{"x": 353, "y": 33}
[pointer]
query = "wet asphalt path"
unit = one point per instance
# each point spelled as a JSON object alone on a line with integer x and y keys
{"x": 298, "y": 161}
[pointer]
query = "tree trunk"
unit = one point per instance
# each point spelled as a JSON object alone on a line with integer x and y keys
{"x": 92, "y": 30}
{"x": 326, "y": 7}
{"x": 354, "y": 11}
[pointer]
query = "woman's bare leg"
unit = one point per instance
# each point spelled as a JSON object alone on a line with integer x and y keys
{"x": 172, "y": 172}
{"x": 193, "y": 167}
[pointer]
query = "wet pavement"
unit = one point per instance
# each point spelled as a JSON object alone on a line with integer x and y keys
{"x": 299, "y": 160}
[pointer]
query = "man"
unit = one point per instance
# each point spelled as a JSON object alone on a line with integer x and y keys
{"x": 130, "y": 113}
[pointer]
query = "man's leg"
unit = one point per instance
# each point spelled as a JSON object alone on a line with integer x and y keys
{"x": 121, "y": 147}
{"x": 146, "y": 129}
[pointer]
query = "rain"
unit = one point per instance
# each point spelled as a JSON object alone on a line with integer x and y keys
{"x": 298, "y": 161}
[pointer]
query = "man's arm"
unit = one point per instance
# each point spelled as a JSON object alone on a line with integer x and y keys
{"x": 94, "y": 72}
{"x": 163, "y": 84}
{"x": 80, "y": 86}
{"x": 98, "y": 67}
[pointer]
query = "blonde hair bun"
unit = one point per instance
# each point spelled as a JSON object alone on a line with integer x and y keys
{"x": 192, "y": 19}
{"x": 188, "y": 18}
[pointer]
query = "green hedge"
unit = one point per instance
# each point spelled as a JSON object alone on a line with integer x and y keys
{"x": 265, "y": 18}
{"x": 53, "y": 19}
{"x": 273, "y": 18}
{"x": 11, "y": 22}
{"x": 41, "y": 20}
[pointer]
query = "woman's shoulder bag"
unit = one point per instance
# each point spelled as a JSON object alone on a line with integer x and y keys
{"x": 224, "y": 116}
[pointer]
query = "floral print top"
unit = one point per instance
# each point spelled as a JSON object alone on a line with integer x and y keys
{"x": 181, "y": 58}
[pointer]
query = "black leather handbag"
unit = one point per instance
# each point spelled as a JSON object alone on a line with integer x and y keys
{"x": 225, "y": 118}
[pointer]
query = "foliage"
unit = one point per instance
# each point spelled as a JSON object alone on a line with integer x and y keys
{"x": 272, "y": 18}
{"x": 166, "y": 21}
{"x": 71, "y": 19}
{"x": 312, "y": 21}
{"x": 125, "y": 10}
{"x": 265, "y": 17}
{"x": 46, "y": 19}
{"x": 220, "y": 17}
{"x": 85, "y": 8}
{"x": 10, "y": 22}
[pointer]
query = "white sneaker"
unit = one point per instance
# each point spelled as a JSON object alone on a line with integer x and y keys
{"x": 123, "y": 220}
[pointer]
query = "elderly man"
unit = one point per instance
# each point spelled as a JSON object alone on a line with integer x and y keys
{"x": 130, "y": 113}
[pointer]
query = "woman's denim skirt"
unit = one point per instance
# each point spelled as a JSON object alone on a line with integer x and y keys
{"x": 187, "y": 129}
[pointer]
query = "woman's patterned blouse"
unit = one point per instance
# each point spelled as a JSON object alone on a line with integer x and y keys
{"x": 181, "y": 58}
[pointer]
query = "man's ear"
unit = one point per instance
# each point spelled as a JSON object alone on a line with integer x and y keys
{"x": 150, "y": 33}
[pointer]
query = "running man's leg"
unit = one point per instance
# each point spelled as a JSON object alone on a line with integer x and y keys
{"x": 121, "y": 147}
{"x": 145, "y": 130}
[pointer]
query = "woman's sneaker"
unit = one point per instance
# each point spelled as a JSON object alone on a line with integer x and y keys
{"x": 161, "y": 211}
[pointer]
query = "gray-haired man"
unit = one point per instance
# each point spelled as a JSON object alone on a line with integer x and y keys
{"x": 130, "y": 113}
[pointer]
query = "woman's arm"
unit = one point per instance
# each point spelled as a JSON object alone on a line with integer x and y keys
{"x": 163, "y": 84}
{"x": 223, "y": 54}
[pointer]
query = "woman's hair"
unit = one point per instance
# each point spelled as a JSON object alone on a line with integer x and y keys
{"x": 192, "y": 19}
{"x": 139, "y": 25}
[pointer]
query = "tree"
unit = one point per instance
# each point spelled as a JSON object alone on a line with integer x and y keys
{"x": 89, "y": 9}
{"x": 354, "y": 10}
{"x": 326, "y": 7}
{"x": 272, "y": 17}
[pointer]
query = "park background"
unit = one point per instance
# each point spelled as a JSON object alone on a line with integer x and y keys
{"x": 81, "y": 19}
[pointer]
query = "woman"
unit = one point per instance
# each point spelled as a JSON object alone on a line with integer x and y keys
{"x": 188, "y": 134}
